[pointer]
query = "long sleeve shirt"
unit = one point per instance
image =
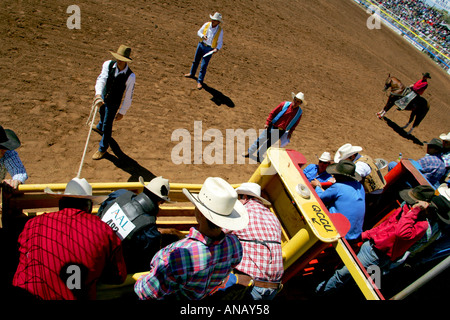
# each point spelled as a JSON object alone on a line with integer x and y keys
{"x": 129, "y": 85}
{"x": 398, "y": 233}
{"x": 433, "y": 168}
{"x": 312, "y": 172}
{"x": 190, "y": 268}
{"x": 420, "y": 86}
{"x": 12, "y": 164}
{"x": 347, "y": 198}
{"x": 210, "y": 33}
{"x": 284, "y": 121}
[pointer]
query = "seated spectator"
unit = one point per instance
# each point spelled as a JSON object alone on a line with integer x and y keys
{"x": 433, "y": 167}
{"x": 372, "y": 179}
{"x": 446, "y": 154}
{"x": 64, "y": 254}
{"x": 141, "y": 238}
{"x": 9, "y": 159}
{"x": 389, "y": 240}
{"x": 345, "y": 196}
{"x": 194, "y": 267}
{"x": 261, "y": 267}
{"x": 319, "y": 171}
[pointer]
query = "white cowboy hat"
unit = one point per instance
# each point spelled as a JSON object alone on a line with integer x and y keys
{"x": 445, "y": 136}
{"x": 158, "y": 186}
{"x": 251, "y": 189}
{"x": 217, "y": 16}
{"x": 346, "y": 151}
{"x": 77, "y": 188}
{"x": 218, "y": 202}
{"x": 444, "y": 191}
{"x": 299, "y": 96}
{"x": 325, "y": 157}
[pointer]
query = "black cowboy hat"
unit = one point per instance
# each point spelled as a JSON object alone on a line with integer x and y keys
{"x": 8, "y": 139}
{"x": 443, "y": 208}
{"x": 426, "y": 75}
{"x": 419, "y": 193}
{"x": 344, "y": 168}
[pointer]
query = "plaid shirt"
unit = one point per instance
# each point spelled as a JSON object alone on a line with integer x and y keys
{"x": 190, "y": 268}
{"x": 433, "y": 168}
{"x": 11, "y": 162}
{"x": 259, "y": 261}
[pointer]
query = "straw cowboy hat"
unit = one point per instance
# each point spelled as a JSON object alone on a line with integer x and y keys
{"x": 419, "y": 193}
{"x": 445, "y": 136}
{"x": 158, "y": 186}
{"x": 299, "y": 96}
{"x": 346, "y": 151}
{"x": 217, "y": 16}
{"x": 123, "y": 53}
{"x": 251, "y": 189}
{"x": 8, "y": 139}
{"x": 218, "y": 202}
{"x": 325, "y": 157}
{"x": 77, "y": 188}
{"x": 344, "y": 168}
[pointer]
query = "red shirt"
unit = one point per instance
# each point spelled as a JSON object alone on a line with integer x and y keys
{"x": 398, "y": 233}
{"x": 420, "y": 86}
{"x": 284, "y": 121}
{"x": 54, "y": 241}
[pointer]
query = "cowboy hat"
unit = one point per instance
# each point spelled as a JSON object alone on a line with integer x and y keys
{"x": 123, "y": 53}
{"x": 217, "y": 16}
{"x": 325, "y": 157}
{"x": 346, "y": 151}
{"x": 217, "y": 201}
{"x": 443, "y": 208}
{"x": 158, "y": 186}
{"x": 445, "y": 136}
{"x": 299, "y": 96}
{"x": 8, "y": 139}
{"x": 444, "y": 191}
{"x": 436, "y": 143}
{"x": 426, "y": 75}
{"x": 77, "y": 188}
{"x": 251, "y": 189}
{"x": 419, "y": 193}
{"x": 344, "y": 168}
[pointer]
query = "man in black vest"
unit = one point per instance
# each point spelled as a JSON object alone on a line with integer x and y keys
{"x": 114, "y": 87}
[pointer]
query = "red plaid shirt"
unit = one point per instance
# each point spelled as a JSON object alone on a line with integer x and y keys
{"x": 262, "y": 262}
{"x": 52, "y": 242}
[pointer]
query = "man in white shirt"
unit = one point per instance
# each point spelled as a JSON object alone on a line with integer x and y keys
{"x": 211, "y": 34}
{"x": 114, "y": 87}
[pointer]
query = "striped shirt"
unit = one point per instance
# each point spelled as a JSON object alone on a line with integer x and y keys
{"x": 262, "y": 262}
{"x": 12, "y": 164}
{"x": 190, "y": 268}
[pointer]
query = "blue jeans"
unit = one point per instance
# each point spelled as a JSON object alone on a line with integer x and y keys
{"x": 366, "y": 255}
{"x": 107, "y": 115}
{"x": 202, "y": 49}
{"x": 259, "y": 293}
{"x": 265, "y": 140}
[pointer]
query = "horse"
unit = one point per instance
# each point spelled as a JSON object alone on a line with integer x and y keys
{"x": 419, "y": 106}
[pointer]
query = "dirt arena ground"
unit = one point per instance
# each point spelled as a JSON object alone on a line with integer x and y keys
{"x": 271, "y": 48}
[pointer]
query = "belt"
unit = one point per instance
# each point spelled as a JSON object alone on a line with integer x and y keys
{"x": 207, "y": 45}
{"x": 248, "y": 281}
